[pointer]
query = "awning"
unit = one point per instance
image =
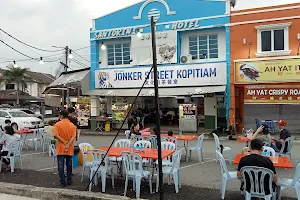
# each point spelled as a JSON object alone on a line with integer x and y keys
{"x": 163, "y": 92}
{"x": 77, "y": 81}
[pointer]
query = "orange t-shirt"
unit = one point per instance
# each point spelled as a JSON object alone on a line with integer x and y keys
{"x": 66, "y": 130}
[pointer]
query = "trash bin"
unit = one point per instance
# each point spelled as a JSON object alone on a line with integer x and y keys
{"x": 107, "y": 126}
{"x": 75, "y": 161}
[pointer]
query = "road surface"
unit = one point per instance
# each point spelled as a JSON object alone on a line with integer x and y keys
{"x": 13, "y": 197}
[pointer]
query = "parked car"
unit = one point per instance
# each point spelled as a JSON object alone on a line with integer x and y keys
{"x": 20, "y": 119}
{"x": 29, "y": 112}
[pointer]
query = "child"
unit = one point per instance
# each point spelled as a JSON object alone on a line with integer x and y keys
{"x": 170, "y": 133}
{"x": 49, "y": 131}
{"x": 6, "y": 140}
{"x": 7, "y": 123}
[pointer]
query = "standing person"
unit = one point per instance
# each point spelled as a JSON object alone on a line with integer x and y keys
{"x": 65, "y": 133}
{"x": 284, "y": 134}
{"x": 72, "y": 118}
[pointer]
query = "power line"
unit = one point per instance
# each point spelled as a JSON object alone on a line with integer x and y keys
{"x": 80, "y": 63}
{"x": 81, "y": 56}
{"x": 27, "y": 44}
{"x": 31, "y": 58}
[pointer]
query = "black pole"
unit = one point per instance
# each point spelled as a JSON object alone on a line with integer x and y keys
{"x": 65, "y": 70}
{"x": 161, "y": 189}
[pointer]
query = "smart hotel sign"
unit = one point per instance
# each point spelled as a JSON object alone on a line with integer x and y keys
{"x": 128, "y": 31}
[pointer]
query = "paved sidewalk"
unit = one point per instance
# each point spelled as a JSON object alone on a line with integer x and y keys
{"x": 13, "y": 197}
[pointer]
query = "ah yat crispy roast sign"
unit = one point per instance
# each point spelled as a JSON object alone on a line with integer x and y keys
{"x": 272, "y": 94}
{"x": 267, "y": 71}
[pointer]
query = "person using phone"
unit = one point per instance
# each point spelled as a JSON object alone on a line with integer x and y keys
{"x": 284, "y": 134}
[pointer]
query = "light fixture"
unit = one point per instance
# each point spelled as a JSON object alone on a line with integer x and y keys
{"x": 103, "y": 47}
{"x": 41, "y": 61}
{"x": 139, "y": 34}
{"x": 244, "y": 41}
{"x": 70, "y": 54}
{"x": 15, "y": 64}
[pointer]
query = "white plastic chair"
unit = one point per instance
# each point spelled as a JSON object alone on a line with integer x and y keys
{"x": 36, "y": 139}
{"x": 104, "y": 169}
{"x": 297, "y": 186}
{"x": 127, "y": 134}
{"x": 138, "y": 138}
{"x": 290, "y": 183}
{"x": 143, "y": 143}
{"x": 168, "y": 161}
{"x": 173, "y": 170}
{"x": 225, "y": 174}
{"x": 218, "y": 147}
{"x": 78, "y": 134}
{"x": 84, "y": 147}
{"x": 15, "y": 151}
{"x": 198, "y": 148}
{"x": 171, "y": 139}
{"x": 46, "y": 142}
{"x": 269, "y": 150}
{"x": 54, "y": 157}
{"x": 153, "y": 140}
{"x": 289, "y": 143}
{"x": 123, "y": 143}
{"x": 133, "y": 165}
{"x": 257, "y": 176}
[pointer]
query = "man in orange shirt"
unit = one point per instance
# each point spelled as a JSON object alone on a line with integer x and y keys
{"x": 65, "y": 133}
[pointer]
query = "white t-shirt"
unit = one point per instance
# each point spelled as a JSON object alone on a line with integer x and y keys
{"x": 7, "y": 139}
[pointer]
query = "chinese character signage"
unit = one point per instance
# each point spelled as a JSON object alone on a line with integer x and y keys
{"x": 171, "y": 76}
{"x": 272, "y": 94}
{"x": 269, "y": 71}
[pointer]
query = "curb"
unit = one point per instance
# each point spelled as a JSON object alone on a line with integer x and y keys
{"x": 54, "y": 194}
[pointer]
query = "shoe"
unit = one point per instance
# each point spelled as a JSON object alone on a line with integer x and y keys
{"x": 70, "y": 183}
{"x": 63, "y": 185}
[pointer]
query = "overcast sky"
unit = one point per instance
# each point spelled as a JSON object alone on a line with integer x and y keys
{"x": 44, "y": 23}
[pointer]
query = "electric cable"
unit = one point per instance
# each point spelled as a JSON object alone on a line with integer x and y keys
{"x": 28, "y": 44}
{"x": 102, "y": 161}
{"x": 31, "y": 58}
{"x": 80, "y": 56}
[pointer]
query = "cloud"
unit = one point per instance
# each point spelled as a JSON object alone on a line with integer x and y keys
{"x": 44, "y": 23}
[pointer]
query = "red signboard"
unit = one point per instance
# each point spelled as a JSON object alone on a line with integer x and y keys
{"x": 272, "y": 94}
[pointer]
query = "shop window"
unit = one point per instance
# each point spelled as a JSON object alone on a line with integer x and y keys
{"x": 273, "y": 39}
{"x": 204, "y": 46}
{"x": 118, "y": 54}
{"x": 10, "y": 86}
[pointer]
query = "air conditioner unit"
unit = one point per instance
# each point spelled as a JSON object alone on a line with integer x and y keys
{"x": 186, "y": 59}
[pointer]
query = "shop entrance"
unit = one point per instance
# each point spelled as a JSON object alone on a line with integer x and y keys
{"x": 275, "y": 112}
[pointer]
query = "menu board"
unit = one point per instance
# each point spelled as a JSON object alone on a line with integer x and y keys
{"x": 188, "y": 111}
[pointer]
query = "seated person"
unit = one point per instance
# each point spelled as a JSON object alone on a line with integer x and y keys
{"x": 284, "y": 134}
{"x": 135, "y": 129}
{"x": 7, "y": 123}
{"x": 49, "y": 130}
{"x": 265, "y": 137}
{"x": 6, "y": 140}
{"x": 255, "y": 159}
{"x": 170, "y": 133}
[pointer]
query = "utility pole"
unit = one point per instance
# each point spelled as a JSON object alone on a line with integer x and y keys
{"x": 161, "y": 189}
{"x": 66, "y": 96}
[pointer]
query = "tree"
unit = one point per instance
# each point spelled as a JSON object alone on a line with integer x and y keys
{"x": 18, "y": 76}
